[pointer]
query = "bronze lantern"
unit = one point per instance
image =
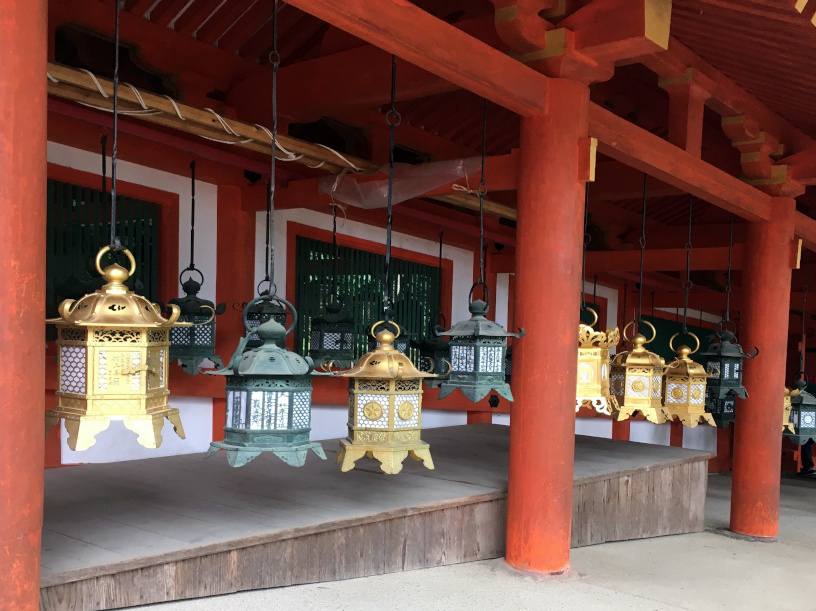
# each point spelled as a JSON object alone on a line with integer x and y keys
{"x": 684, "y": 386}
{"x": 636, "y": 379}
{"x": 113, "y": 362}
{"x": 192, "y": 345}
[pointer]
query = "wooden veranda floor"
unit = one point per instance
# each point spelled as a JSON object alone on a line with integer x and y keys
{"x": 136, "y": 532}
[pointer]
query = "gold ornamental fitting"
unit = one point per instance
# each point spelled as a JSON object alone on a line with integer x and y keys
{"x": 385, "y": 361}
{"x": 639, "y": 356}
{"x": 588, "y": 337}
{"x": 683, "y": 365}
{"x": 115, "y": 305}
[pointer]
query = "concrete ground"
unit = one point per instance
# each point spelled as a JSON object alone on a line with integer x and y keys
{"x": 708, "y": 570}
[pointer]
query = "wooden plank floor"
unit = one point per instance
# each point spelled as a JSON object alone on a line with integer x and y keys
{"x": 112, "y": 529}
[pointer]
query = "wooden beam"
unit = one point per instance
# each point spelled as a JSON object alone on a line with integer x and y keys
{"x": 648, "y": 153}
{"x": 804, "y": 228}
{"x": 663, "y": 260}
{"x": 416, "y": 36}
{"x": 802, "y": 166}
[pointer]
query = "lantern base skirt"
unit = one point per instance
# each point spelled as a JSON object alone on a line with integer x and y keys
{"x": 657, "y": 415}
{"x": 474, "y": 392}
{"x": 602, "y": 405}
{"x": 83, "y": 429}
{"x": 691, "y": 420}
{"x": 192, "y": 364}
{"x": 390, "y": 456}
{"x": 243, "y": 445}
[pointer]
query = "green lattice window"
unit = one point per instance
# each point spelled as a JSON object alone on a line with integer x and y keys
{"x": 79, "y": 225}
{"x": 666, "y": 328}
{"x": 360, "y": 276}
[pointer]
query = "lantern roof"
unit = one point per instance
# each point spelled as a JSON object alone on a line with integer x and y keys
{"x": 477, "y": 325}
{"x": 268, "y": 359}
{"x": 335, "y": 314}
{"x": 114, "y": 305}
{"x": 385, "y": 362}
{"x": 801, "y": 397}
{"x": 726, "y": 346}
{"x": 684, "y": 366}
{"x": 639, "y": 356}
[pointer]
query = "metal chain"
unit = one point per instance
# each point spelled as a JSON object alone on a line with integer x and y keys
{"x": 587, "y": 238}
{"x": 728, "y": 280}
{"x": 274, "y": 60}
{"x": 687, "y": 285}
{"x": 335, "y": 250}
{"x": 482, "y": 191}
{"x": 439, "y": 293}
{"x": 642, "y": 243}
{"x": 393, "y": 119}
{"x": 595, "y": 290}
{"x": 192, "y": 215}
{"x": 115, "y": 243}
{"x": 804, "y": 326}
{"x": 104, "y": 142}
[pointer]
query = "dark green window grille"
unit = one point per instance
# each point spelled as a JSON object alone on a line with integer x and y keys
{"x": 666, "y": 328}
{"x": 360, "y": 276}
{"x": 79, "y": 225}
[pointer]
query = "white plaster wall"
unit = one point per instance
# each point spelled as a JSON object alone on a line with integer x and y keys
{"x": 701, "y": 437}
{"x": 594, "y": 427}
{"x": 502, "y": 299}
{"x": 648, "y": 432}
{"x": 117, "y": 443}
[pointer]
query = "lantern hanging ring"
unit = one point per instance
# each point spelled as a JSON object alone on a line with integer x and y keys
{"x": 386, "y": 323}
{"x": 281, "y": 300}
{"x": 645, "y": 322}
{"x": 106, "y": 249}
{"x": 191, "y": 269}
{"x": 486, "y": 288}
{"x": 689, "y": 334}
{"x": 801, "y": 375}
{"x": 594, "y": 316}
{"x": 271, "y": 291}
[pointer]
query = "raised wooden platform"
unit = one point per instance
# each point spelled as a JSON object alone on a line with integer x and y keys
{"x": 139, "y": 532}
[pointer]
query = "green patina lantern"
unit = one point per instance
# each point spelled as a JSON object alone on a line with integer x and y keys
{"x": 269, "y": 397}
{"x": 193, "y": 345}
{"x": 331, "y": 341}
{"x": 723, "y": 361}
{"x": 802, "y": 413}
{"x": 478, "y": 349}
{"x": 257, "y": 312}
{"x": 433, "y": 358}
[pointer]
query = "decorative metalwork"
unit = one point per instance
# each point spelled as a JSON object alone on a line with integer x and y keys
{"x": 269, "y": 390}
{"x": 723, "y": 361}
{"x": 191, "y": 346}
{"x": 592, "y": 390}
{"x": 636, "y": 379}
{"x": 385, "y": 407}
{"x": 113, "y": 361}
{"x": 802, "y": 413}
{"x": 684, "y": 386}
{"x": 332, "y": 337}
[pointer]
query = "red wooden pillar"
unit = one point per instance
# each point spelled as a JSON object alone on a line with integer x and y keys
{"x": 757, "y": 442}
{"x": 22, "y": 274}
{"x": 547, "y": 302}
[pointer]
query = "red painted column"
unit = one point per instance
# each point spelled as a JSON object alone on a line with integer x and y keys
{"x": 22, "y": 301}
{"x": 757, "y": 442}
{"x": 547, "y": 303}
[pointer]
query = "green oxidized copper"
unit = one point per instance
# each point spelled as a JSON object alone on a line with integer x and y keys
{"x": 269, "y": 391}
{"x": 193, "y": 345}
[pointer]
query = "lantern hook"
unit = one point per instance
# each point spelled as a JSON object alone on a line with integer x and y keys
{"x": 690, "y": 334}
{"x": 106, "y": 249}
{"x": 486, "y": 288}
{"x": 645, "y": 322}
{"x": 270, "y": 292}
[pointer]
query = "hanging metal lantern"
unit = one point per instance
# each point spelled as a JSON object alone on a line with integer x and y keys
{"x": 402, "y": 339}
{"x": 193, "y": 345}
{"x": 385, "y": 407}
{"x": 593, "y": 368}
{"x": 331, "y": 341}
{"x": 787, "y": 426}
{"x": 723, "y": 361}
{"x": 269, "y": 397}
{"x": 433, "y": 358}
{"x": 113, "y": 359}
{"x": 803, "y": 412}
{"x": 478, "y": 348}
{"x": 684, "y": 385}
{"x": 636, "y": 379}
{"x": 260, "y": 311}
{"x": 508, "y": 365}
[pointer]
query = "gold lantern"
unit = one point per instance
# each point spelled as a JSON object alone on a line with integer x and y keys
{"x": 385, "y": 407}
{"x": 787, "y": 425}
{"x": 684, "y": 386}
{"x": 636, "y": 379}
{"x": 113, "y": 360}
{"x": 593, "y": 368}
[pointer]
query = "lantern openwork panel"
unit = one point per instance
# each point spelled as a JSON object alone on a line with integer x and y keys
{"x": 723, "y": 361}
{"x": 331, "y": 339}
{"x": 268, "y": 398}
{"x": 636, "y": 381}
{"x": 684, "y": 387}
{"x": 192, "y": 345}
{"x": 385, "y": 407}
{"x": 592, "y": 389}
{"x": 802, "y": 414}
{"x": 113, "y": 356}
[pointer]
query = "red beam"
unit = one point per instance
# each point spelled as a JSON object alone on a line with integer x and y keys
{"x": 662, "y": 260}
{"x": 648, "y": 153}
{"x": 416, "y": 36}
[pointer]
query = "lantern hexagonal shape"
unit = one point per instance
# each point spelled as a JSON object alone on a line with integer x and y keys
{"x": 592, "y": 389}
{"x": 684, "y": 386}
{"x": 113, "y": 362}
{"x": 723, "y": 360}
{"x": 194, "y": 344}
{"x": 269, "y": 397}
{"x": 478, "y": 348}
{"x": 331, "y": 340}
{"x": 636, "y": 380}
{"x": 433, "y": 358}
{"x": 802, "y": 414}
{"x": 385, "y": 408}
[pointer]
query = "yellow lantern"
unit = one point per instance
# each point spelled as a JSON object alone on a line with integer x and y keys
{"x": 385, "y": 407}
{"x": 684, "y": 386}
{"x": 113, "y": 362}
{"x": 636, "y": 379}
{"x": 787, "y": 425}
{"x": 593, "y": 368}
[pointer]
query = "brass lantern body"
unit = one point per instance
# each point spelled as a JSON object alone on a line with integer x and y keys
{"x": 385, "y": 408}
{"x": 787, "y": 425}
{"x": 636, "y": 381}
{"x": 592, "y": 390}
{"x": 113, "y": 363}
{"x": 684, "y": 386}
